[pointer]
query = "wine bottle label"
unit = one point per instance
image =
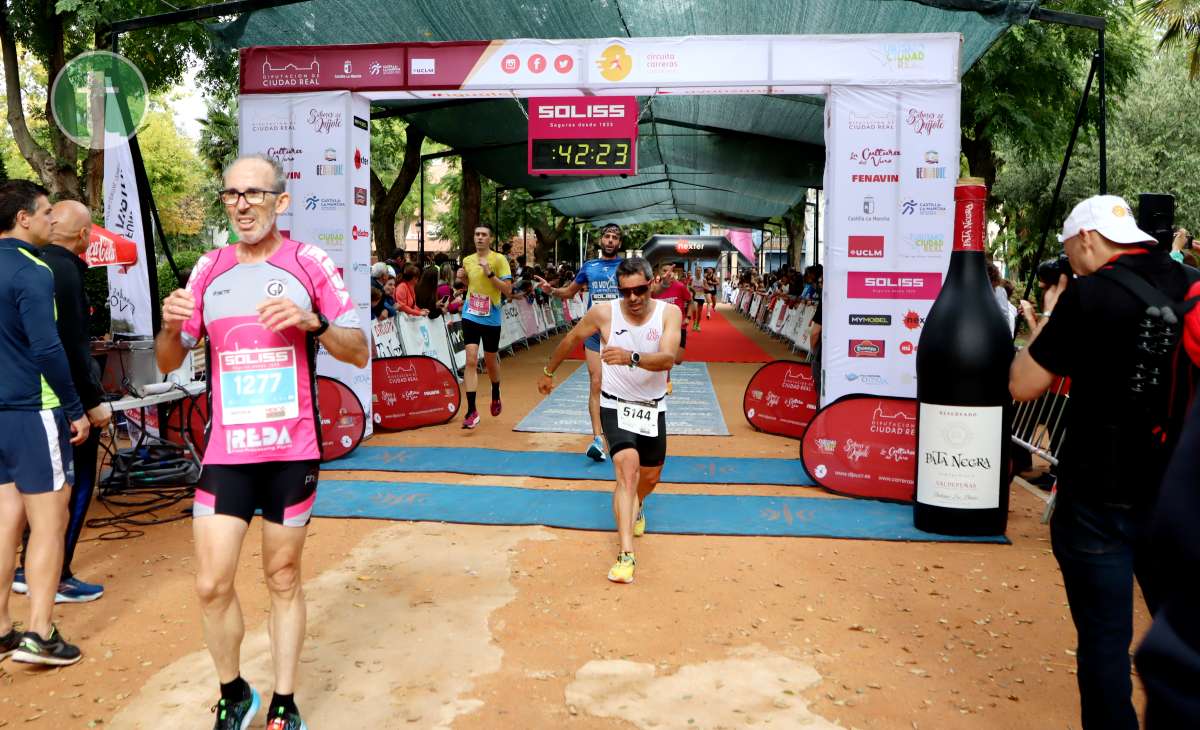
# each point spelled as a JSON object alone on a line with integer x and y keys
{"x": 959, "y": 450}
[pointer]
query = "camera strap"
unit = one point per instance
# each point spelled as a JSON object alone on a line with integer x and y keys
{"x": 1147, "y": 292}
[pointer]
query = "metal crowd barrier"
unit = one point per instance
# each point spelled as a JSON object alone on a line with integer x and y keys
{"x": 1038, "y": 425}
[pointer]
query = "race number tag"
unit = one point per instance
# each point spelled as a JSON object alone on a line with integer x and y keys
{"x": 479, "y": 305}
{"x": 258, "y": 386}
{"x": 641, "y": 420}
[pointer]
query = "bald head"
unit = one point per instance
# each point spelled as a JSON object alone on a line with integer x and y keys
{"x": 72, "y": 226}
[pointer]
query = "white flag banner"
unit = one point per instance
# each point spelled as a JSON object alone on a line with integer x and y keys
{"x": 129, "y": 297}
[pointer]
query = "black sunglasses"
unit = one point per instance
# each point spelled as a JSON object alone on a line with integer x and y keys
{"x": 634, "y": 291}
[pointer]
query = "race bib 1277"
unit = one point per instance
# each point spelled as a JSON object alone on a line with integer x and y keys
{"x": 259, "y": 385}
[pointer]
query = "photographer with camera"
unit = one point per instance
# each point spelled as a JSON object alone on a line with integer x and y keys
{"x": 1095, "y": 329}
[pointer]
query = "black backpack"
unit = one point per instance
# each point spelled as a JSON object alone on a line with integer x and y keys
{"x": 1164, "y": 379}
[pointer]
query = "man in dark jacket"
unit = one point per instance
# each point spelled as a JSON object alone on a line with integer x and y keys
{"x": 68, "y": 241}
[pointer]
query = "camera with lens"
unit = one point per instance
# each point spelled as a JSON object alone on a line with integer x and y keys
{"x": 1050, "y": 270}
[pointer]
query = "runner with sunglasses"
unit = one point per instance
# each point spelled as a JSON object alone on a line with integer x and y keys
{"x": 639, "y": 336}
{"x": 600, "y": 278}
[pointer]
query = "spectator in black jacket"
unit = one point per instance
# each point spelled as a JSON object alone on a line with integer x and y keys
{"x": 68, "y": 241}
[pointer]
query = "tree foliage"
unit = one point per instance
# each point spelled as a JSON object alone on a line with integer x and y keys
{"x": 1023, "y": 94}
{"x": 1152, "y": 148}
{"x": 1179, "y": 21}
{"x": 52, "y": 33}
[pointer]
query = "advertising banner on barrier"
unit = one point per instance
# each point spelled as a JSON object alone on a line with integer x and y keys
{"x": 864, "y": 446}
{"x": 511, "y": 330}
{"x": 129, "y": 296}
{"x": 387, "y": 341}
{"x": 424, "y": 336}
{"x": 411, "y": 392}
{"x": 892, "y": 161}
{"x": 343, "y": 418}
{"x": 458, "y": 346}
{"x": 781, "y": 398}
{"x": 529, "y": 321}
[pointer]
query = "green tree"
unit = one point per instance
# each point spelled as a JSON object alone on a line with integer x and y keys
{"x": 53, "y": 32}
{"x": 182, "y": 187}
{"x": 1179, "y": 21}
{"x": 1022, "y": 95}
{"x": 396, "y": 150}
{"x": 3, "y": 169}
{"x": 1152, "y": 148}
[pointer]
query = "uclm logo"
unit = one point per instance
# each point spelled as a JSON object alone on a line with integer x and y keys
{"x": 588, "y": 111}
{"x": 865, "y": 247}
{"x": 866, "y": 348}
{"x": 893, "y": 285}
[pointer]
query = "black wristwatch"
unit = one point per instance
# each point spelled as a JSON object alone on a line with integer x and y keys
{"x": 634, "y": 359}
{"x": 323, "y": 326}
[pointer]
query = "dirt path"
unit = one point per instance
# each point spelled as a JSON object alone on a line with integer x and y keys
{"x": 472, "y": 628}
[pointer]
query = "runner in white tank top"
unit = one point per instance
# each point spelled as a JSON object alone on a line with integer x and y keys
{"x": 640, "y": 337}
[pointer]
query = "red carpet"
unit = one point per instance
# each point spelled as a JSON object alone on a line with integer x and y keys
{"x": 717, "y": 341}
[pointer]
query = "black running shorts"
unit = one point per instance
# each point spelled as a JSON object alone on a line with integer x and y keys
{"x": 652, "y": 450}
{"x": 683, "y": 339}
{"x": 474, "y": 333}
{"x": 283, "y": 490}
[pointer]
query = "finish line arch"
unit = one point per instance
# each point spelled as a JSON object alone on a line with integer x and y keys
{"x": 891, "y": 123}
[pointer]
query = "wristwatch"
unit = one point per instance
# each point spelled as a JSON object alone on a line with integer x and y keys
{"x": 324, "y": 325}
{"x": 634, "y": 359}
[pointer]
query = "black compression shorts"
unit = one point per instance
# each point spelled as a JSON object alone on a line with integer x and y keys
{"x": 284, "y": 490}
{"x": 652, "y": 450}
{"x": 474, "y": 333}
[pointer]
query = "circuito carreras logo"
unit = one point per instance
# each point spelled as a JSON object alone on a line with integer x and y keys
{"x": 614, "y": 63}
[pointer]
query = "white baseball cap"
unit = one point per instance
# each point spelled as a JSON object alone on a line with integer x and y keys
{"x": 1108, "y": 215}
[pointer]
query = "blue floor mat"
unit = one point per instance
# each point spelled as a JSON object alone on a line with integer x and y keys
{"x": 560, "y": 465}
{"x": 683, "y": 514}
{"x": 692, "y": 407}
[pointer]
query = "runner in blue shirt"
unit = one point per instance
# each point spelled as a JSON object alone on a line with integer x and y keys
{"x": 600, "y": 278}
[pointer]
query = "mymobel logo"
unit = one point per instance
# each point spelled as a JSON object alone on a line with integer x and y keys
{"x": 875, "y": 178}
{"x": 586, "y": 111}
{"x": 891, "y": 285}
{"x": 872, "y": 320}
{"x": 865, "y": 247}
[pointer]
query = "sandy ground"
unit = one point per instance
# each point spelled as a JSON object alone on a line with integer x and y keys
{"x": 421, "y": 625}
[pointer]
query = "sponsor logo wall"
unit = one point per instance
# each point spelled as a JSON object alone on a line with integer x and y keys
{"x": 892, "y": 162}
{"x": 318, "y": 139}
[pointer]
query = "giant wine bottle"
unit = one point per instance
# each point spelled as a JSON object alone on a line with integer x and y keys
{"x": 965, "y": 410}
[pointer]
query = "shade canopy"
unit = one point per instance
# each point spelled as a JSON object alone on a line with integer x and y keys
{"x": 734, "y": 160}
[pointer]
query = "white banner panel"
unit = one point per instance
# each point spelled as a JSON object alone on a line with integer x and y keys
{"x": 129, "y": 297}
{"x": 511, "y": 329}
{"x": 891, "y": 164}
{"x": 323, "y": 141}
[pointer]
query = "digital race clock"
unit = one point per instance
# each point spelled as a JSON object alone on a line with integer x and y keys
{"x": 588, "y": 135}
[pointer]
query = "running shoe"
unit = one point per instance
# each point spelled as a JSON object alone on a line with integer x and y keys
{"x": 595, "y": 451}
{"x": 622, "y": 570}
{"x": 639, "y": 525}
{"x": 51, "y": 652}
{"x": 10, "y": 642}
{"x": 471, "y": 420}
{"x": 19, "y": 584}
{"x": 284, "y": 720}
{"x": 73, "y": 590}
{"x": 236, "y": 715}
{"x": 496, "y": 408}
{"x": 696, "y": 325}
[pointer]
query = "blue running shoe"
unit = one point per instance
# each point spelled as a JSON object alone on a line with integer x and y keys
{"x": 19, "y": 584}
{"x": 73, "y": 590}
{"x": 236, "y": 715}
{"x": 595, "y": 452}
